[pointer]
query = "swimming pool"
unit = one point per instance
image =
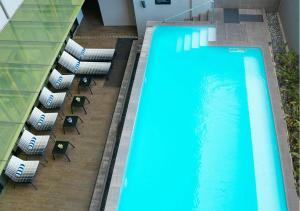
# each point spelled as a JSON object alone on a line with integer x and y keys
{"x": 204, "y": 136}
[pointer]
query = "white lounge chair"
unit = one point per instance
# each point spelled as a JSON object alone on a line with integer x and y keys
{"x": 83, "y": 68}
{"x": 59, "y": 81}
{"x": 42, "y": 121}
{"x": 89, "y": 54}
{"x": 31, "y": 144}
{"x": 20, "y": 171}
{"x": 51, "y": 100}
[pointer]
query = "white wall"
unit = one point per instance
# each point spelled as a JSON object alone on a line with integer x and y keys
{"x": 10, "y": 6}
{"x": 117, "y": 12}
{"x": 3, "y": 19}
{"x": 7, "y": 10}
{"x": 154, "y": 12}
{"x": 200, "y": 6}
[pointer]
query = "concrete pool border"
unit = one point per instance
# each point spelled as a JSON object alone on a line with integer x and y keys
{"x": 278, "y": 115}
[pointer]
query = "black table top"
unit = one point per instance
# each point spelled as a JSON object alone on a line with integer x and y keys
{"x": 78, "y": 101}
{"x": 60, "y": 147}
{"x": 70, "y": 121}
{"x": 85, "y": 81}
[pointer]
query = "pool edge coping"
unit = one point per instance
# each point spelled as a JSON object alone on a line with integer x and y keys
{"x": 97, "y": 197}
{"x": 121, "y": 159}
{"x": 277, "y": 111}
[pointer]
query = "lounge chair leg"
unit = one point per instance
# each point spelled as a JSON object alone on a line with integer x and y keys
{"x": 69, "y": 94}
{"x": 33, "y": 186}
{"x": 67, "y": 157}
{"x": 77, "y": 130}
{"x": 46, "y": 161}
{"x": 52, "y": 139}
{"x": 84, "y": 110}
{"x": 72, "y": 145}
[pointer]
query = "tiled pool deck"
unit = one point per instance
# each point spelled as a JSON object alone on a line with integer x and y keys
{"x": 252, "y": 34}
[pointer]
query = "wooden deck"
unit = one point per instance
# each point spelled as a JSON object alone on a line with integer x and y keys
{"x": 64, "y": 185}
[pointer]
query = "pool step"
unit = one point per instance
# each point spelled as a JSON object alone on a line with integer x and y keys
{"x": 196, "y": 39}
{"x": 211, "y": 34}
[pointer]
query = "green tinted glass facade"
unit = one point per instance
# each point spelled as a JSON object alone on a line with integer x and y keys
{"x": 29, "y": 45}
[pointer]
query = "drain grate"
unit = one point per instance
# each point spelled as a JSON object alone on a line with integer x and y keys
{"x": 231, "y": 16}
{"x": 251, "y": 18}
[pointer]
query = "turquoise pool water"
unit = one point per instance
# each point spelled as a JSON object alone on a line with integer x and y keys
{"x": 204, "y": 136}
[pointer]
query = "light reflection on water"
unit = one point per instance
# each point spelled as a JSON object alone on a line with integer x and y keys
{"x": 192, "y": 146}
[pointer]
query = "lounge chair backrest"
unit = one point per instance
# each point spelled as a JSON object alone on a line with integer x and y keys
{"x": 32, "y": 144}
{"x": 51, "y": 100}
{"x": 69, "y": 62}
{"x": 74, "y": 48}
{"x": 21, "y": 171}
{"x": 59, "y": 81}
{"x": 42, "y": 121}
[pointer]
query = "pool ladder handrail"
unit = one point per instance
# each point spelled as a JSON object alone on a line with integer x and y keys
{"x": 212, "y": 2}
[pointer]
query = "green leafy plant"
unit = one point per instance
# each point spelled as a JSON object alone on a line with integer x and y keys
{"x": 288, "y": 79}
